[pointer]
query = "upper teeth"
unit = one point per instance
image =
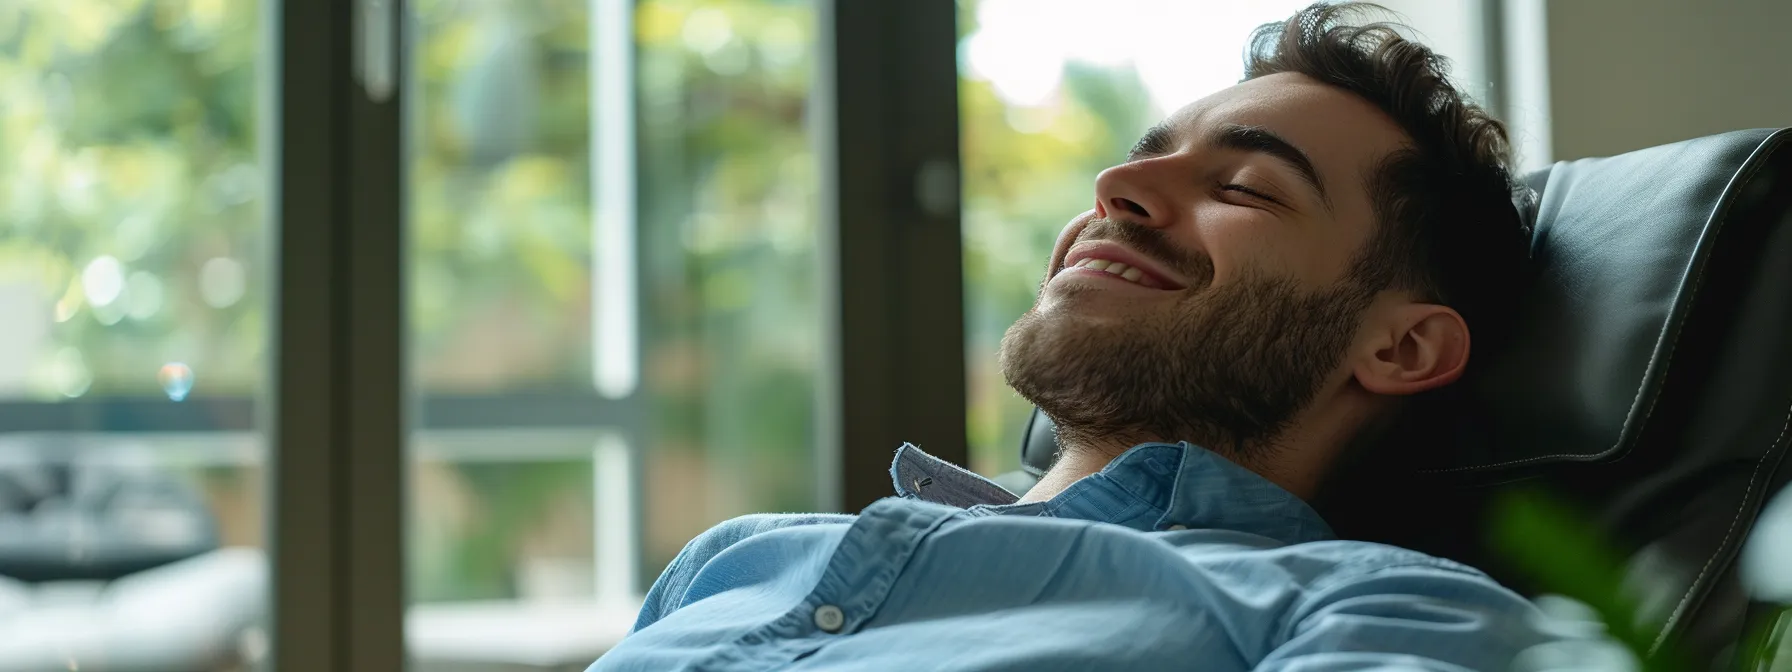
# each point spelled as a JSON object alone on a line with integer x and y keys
{"x": 1114, "y": 268}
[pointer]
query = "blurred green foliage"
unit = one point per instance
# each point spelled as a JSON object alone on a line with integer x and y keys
{"x": 129, "y": 133}
{"x": 1559, "y": 550}
{"x": 128, "y": 130}
{"x": 131, "y": 130}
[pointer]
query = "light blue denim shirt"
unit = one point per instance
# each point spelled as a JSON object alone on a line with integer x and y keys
{"x": 1170, "y": 558}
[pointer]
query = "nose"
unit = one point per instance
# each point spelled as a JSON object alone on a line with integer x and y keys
{"x": 1128, "y": 191}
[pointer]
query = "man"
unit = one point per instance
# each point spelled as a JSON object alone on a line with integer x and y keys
{"x": 1259, "y": 286}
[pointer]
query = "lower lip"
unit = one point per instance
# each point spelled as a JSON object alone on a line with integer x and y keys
{"x": 1090, "y": 272}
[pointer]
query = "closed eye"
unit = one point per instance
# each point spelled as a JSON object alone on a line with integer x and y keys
{"x": 1253, "y": 193}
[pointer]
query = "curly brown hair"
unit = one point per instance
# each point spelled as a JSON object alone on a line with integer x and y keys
{"x": 1448, "y": 228}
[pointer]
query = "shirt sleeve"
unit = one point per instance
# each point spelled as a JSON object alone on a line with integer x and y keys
{"x": 1409, "y": 618}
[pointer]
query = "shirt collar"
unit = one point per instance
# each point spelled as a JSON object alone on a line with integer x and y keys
{"x": 1153, "y": 486}
{"x": 918, "y": 475}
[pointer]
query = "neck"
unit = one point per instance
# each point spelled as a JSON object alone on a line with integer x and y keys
{"x": 1072, "y": 466}
{"x": 1289, "y": 463}
{"x": 1079, "y": 455}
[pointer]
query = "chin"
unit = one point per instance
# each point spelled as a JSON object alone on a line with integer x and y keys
{"x": 1052, "y": 345}
{"x": 1078, "y": 304}
{"x": 1051, "y": 327}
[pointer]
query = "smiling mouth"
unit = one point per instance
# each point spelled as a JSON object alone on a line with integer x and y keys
{"x": 1118, "y": 270}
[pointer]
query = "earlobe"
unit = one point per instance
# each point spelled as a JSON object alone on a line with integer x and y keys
{"x": 1424, "y": 347}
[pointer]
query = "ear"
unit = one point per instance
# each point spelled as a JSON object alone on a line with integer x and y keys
{"x": 1410, "y": 348}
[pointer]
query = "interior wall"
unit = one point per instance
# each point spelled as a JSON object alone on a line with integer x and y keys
{"x": 1628, "y": 74}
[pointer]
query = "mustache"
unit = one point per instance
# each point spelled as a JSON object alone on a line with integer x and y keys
{"x": 1194, "y": 265}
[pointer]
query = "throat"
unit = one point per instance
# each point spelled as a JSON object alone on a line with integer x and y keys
{"x": 1285, "y": 464}
{"x": 1073, "y": 465}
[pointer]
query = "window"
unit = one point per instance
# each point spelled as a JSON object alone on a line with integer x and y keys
{"x": 613, "y": 305}
{"x": 612, "y": 310}
{"x": 1049, "y": 98}
{"x": 133, "y": 334}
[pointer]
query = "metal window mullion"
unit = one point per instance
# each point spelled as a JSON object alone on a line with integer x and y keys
{"x": 376, "y": 380}
{"x": 886, "y": 124}
{"x": 618, "y": 282}
{"x": 335, "y": 408}
{"x": 301, "y": 129}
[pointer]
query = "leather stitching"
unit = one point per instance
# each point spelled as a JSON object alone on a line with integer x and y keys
{"x": 1741, "y": 508}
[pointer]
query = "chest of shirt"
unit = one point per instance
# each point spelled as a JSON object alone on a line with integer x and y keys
{"x": 953, "y": 589}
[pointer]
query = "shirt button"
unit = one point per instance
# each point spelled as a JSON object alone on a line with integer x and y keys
{"x": 829, "y": 618}
{"x": 1176, "y": 527}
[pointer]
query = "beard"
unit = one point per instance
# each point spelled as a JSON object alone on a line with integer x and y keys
{"x": 1225, "y": 367}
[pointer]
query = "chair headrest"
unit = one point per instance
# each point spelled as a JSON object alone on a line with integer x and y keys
{"x": 1623, "y": 252}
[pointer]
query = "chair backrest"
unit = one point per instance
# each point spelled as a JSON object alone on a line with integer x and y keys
{"x": 1649, "y": 381}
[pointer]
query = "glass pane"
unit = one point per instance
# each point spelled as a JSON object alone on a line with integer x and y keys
{"x": 133, "y": 334}
{"x": 729, "y": 205}
{"x": 1043, "y": 109}
{"x": 613, "y": 312}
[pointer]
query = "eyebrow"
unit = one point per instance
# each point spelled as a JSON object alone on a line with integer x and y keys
{"x": 1156, "y": 140}
{"x": 1263, "y": 141}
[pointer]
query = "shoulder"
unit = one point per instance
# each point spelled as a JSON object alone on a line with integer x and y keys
{"x": 1346, "y": 559}
{"x": 1357, "y": 572}
{"x": 733, "y": 531}
{"x": 1402, "y": 605}
{"x": 1340, "y": 565}
{"x": 668, "y": 592}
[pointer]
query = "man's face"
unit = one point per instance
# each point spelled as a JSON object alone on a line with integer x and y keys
{"x": 1233, "y": 226}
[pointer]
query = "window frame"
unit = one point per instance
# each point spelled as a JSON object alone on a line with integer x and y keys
{"x": 335, "y": 409}
{"x": 892, "y": 245}
{"x": 892, "y": 366}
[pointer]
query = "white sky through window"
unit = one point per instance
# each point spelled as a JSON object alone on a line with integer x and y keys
{"x": 1181, "y": 49}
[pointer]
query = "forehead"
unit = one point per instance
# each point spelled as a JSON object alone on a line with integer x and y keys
{"x": 1342, "y": 134}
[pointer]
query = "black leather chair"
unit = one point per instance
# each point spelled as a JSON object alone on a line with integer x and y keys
{"x": 1649, "y": 383}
